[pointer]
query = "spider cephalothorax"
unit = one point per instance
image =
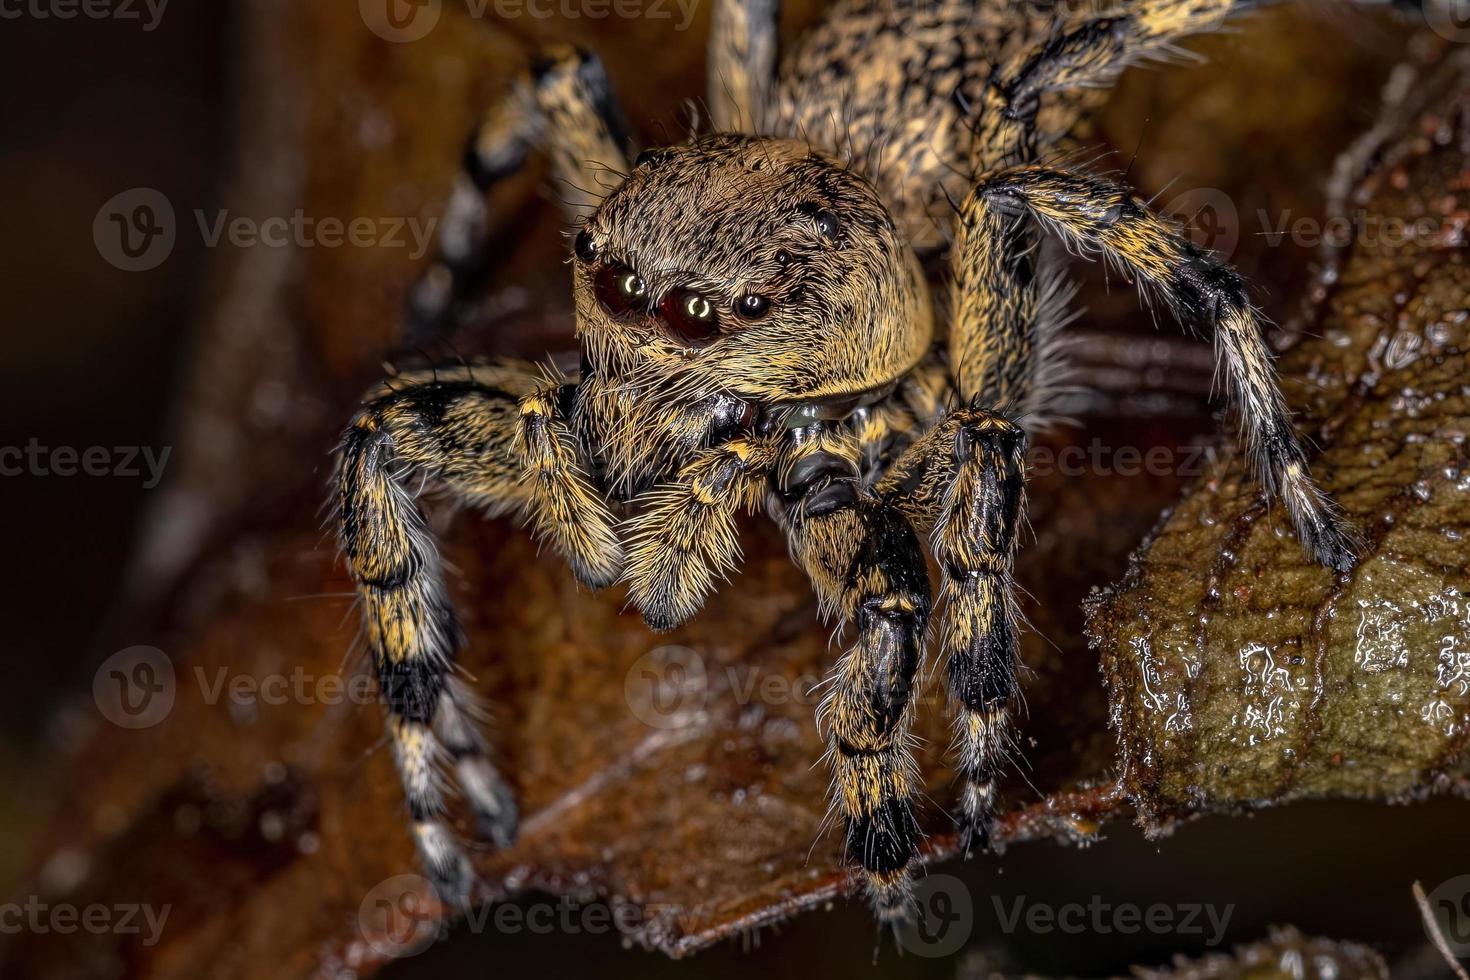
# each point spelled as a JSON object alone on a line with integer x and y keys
{"x": 760, "y": 267}
{"x": 735, "y": 269}
{"x": 757, "y": 332}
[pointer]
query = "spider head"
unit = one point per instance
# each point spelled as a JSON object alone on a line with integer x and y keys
{"x": 752, "y": 266}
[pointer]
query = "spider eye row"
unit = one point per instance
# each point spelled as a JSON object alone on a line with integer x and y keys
{"x": 687, "y": 313}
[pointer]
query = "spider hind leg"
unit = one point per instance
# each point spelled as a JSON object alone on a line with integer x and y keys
{"x": 565, "y": 105}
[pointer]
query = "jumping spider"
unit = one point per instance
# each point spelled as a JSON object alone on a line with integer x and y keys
{"x": 757, "y": 329}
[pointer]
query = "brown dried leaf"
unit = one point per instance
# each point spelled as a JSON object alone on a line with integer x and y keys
{"x": 699, "y": 801}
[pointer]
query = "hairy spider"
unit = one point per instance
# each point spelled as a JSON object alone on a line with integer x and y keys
{"x": 757, "y": 328}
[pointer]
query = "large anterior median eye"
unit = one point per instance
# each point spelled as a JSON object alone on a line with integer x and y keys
{"x": 689, "y": 315}
{"x": 619, "y": 289}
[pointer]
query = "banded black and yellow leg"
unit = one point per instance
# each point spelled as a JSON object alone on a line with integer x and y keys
{"x": 684, "y": 534}
{"x": 742, "y": 63}
{"x": 996, "y": 325}
{"x": 458, "y": 723}
{"x": 463, "y": 430}
{"x": 1082, "y": 54}
{"x": 1100, "y": 216}
{"x": 564, "y": 105}
{"x": 459, "y": 431}
{"x": 867, "y": 567}
{"x": 963, "y": 481}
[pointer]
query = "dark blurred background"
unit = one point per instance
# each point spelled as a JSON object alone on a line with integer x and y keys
{"x": 92, "y": 107}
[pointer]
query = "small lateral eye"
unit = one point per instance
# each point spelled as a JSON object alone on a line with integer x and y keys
{"x": 584, "y": 247}
{"x": 689, "y": 315}
{"x": 783, "y": 258}
{"x": 619, "y": 289}
{"x": 752, "y": 307}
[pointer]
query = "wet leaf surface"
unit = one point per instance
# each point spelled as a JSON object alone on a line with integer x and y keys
{"x": 1285, "y": 954}
{"x": 1238, "y": 674}
{"x": 676, "y": 776}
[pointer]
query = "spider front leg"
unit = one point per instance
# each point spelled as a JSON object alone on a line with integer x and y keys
{"x": 1099, "y": 216}
{"x": 475, "y": 432}
{"x": 866, "y": 565}
{"x": 963, "y": 481}
{"x": 564, "y": 104}
{"x": 742, "y": 63}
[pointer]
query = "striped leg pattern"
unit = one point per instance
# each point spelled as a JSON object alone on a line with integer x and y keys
{"x": 1086, "y": 53}
{"x": 473, "y": 432}
{"x": 1101, "y": 217}
{"x": 963, "y": 482}
{"x": 564, "y": 105}
{"x": 867, "y": 567}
